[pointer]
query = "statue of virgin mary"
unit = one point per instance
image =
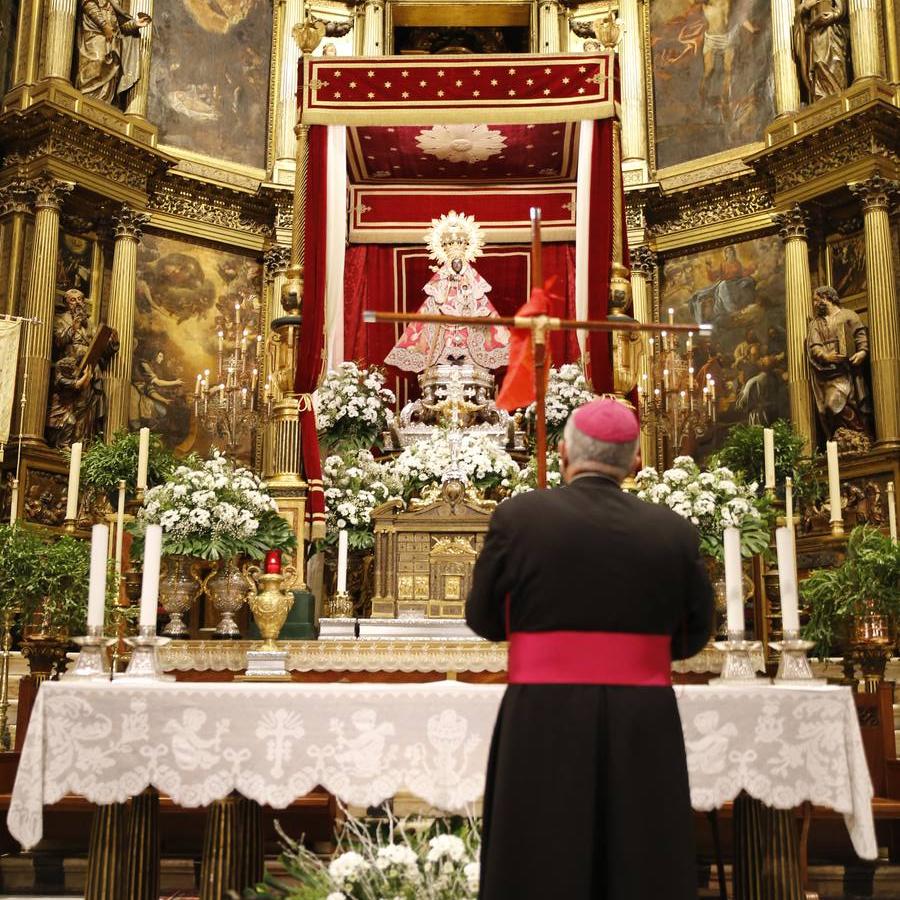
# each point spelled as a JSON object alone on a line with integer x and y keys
{"x": 455, "y": 289}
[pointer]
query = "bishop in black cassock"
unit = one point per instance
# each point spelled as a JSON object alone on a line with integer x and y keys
{"x": 587, "y": 790}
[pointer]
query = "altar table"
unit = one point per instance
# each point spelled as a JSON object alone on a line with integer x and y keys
{"x": 198, "y": 743}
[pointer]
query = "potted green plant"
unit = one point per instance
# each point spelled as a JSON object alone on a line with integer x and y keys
{"x": 104, "y": 465}
{"x": 743, "y": 452}
{"x": 858, "y": 602}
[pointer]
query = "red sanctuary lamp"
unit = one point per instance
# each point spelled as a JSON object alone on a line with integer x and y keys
{"x": 273, "y": 562}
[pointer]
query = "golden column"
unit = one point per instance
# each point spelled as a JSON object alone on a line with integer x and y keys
{"x": 865, "y": 46}
{"x": 373, "y": 28}
{"x": 127, "y": 224}
{"x": 548, "y": 26}
{"x": 291, "y": 12}
{"x": 787, "y": 88}
{"x": 136, "y": 98}
{"x": 643, "y": 271}
{"x": 792, "y": 227}
{"x": 39, "y": 299}
{"x": 884, "y": 328}
{"x": 59, "y": 23}
{"x": 14, "y": 205}
{"x": 634, "y": 89}
{"x": 28, "y": 44}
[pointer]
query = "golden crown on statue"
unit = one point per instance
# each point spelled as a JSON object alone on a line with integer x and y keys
{"x": 454, "y": 235}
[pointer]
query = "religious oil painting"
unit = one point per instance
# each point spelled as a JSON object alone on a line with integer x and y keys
{"x": 186, "y": 294}
{"x": 712, "y": 76}
{"x": 739, "y": 289}
{"x": 846, "y": 262}
{"x": 209, "y": 77}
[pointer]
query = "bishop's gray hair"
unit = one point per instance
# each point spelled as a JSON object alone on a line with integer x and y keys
{"x": 582, "y": 448}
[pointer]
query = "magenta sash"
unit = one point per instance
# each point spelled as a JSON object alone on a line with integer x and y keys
{"x": 589, "y": 657}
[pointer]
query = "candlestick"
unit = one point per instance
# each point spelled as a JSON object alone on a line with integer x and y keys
{"x": 74, "y": 477}
{"x": 892, "y": 511}
{"x": 143, "y": 458}
{"x": 150, "y": 582}
{"x": 671, "y": 315}
{"x": 197, "y": 385}
{"x": 834, "y": 488}
{"x": 769, "y": 457}
{"x": 342, "y": 562}
{"x": 97, "y": 583}
{"x": 237, "y": 316}
{"x": 734, "y": 588}
{"x": 120, "y": 529}
{"x": 787, "y": 580}
{"x": 14, "y": 502}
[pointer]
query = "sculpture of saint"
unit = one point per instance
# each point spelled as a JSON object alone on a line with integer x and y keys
{"x": 455, "y": 289}
{"x": 108, "y": 49}
{"x": 822, "y": 47}
{"x": 77, "y": 403}
{"x": 837, "y": 345}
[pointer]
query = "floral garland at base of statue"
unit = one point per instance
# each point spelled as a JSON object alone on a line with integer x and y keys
{"x": 713, "y": 500}
{"x": 399, "y": 859}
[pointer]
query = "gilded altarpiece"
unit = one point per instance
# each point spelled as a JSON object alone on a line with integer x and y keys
{"x": 713, "y": 86}
{"x": 739, "y": 288}
{"x": 424, "y": 557}
{"x": 187, "y": 292}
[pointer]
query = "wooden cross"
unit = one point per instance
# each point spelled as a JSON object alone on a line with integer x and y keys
{"x": 540, "y": 327}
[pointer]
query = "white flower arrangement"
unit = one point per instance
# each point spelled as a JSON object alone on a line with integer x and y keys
{"x": 213, "y": 509}
{"x": 355, "y": 484}
{"x": 396, "y": 861}
{"x": 486, "y": 466}
{"x": 527, "y": 480}
{"x": 712, "y": 500}
{"x": 567, "y": 389}
{"x": 352, "y": 406}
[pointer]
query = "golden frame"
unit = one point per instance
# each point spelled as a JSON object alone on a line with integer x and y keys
{"x": 856, "y": 300}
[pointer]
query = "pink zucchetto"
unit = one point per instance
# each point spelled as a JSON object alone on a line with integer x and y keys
{"x": 607, "y": 420}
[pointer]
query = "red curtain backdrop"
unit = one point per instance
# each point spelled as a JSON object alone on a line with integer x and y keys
{"x": 312, "y": 331}
{"x": 389, "y": 279}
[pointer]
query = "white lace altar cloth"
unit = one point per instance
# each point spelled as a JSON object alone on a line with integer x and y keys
{"x": 364, "y": 743}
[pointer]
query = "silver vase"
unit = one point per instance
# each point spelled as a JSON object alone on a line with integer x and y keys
{"x": 227, "y": 588}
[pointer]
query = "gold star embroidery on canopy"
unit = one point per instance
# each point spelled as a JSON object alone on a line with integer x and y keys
{"x": 405, "y": 95}
{"x": 511, "y": 92}
{"x": 440, "y": 73}
{"x": 529, "y": 81}
{"x": 336, "y": 73}
{"x": 337, "y": 95}
{"x": 546, "y": 92}
{"x": 476, "y": 72}
{"x": 352, "y": 84}
{"x": 422, "y": 83}
{"x": 565, "y": 81}
{"x": 387, "y": 84}
{"x": 440, "y": 93}
{"x": 476, "y": 93}
{"x": 370, "y": 73}
{"x": 580, "y": 90}
{"x": 512, "y": 71}
{"x": 405, "y": 73}
{"x": 458, "y": 82}
{"x": 547, "y": 71}
{"x": 371, "y": 95}
{"x": 493, "y": 82}
{"x": 582, "y": 69}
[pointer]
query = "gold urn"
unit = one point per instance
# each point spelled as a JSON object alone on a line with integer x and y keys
{"x": 270, "y": 603}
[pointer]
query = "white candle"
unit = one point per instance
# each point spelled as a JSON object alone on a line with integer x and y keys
{"x": 342, "y": 562}
{"x": 789, "y": 503}
{"x": 74, "y": 477}
{"x": 734, "y": 588}
{"x": 120, "y": 528}
{"x": 97, "y": 583}
{"x": 769, "y": 457}
{"x": 892, "y": 511}
{"x": 14, "y": 502}
{"x": 143, "y": 458}
{"x": 834, "y": 481}
{"x": 787, "y": 580}
{"x": 150, "y": 581}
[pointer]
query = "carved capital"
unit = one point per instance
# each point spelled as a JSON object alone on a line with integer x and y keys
{"x": 643, "y": 261}
{"x": 129, "y": 223}
{"x": 793, "y": 224}
{"x": 875, "y": 193}
{"x": 15, "y": 197}
{"x": 276, "y": 260}
{"x": 49, "y": 192}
